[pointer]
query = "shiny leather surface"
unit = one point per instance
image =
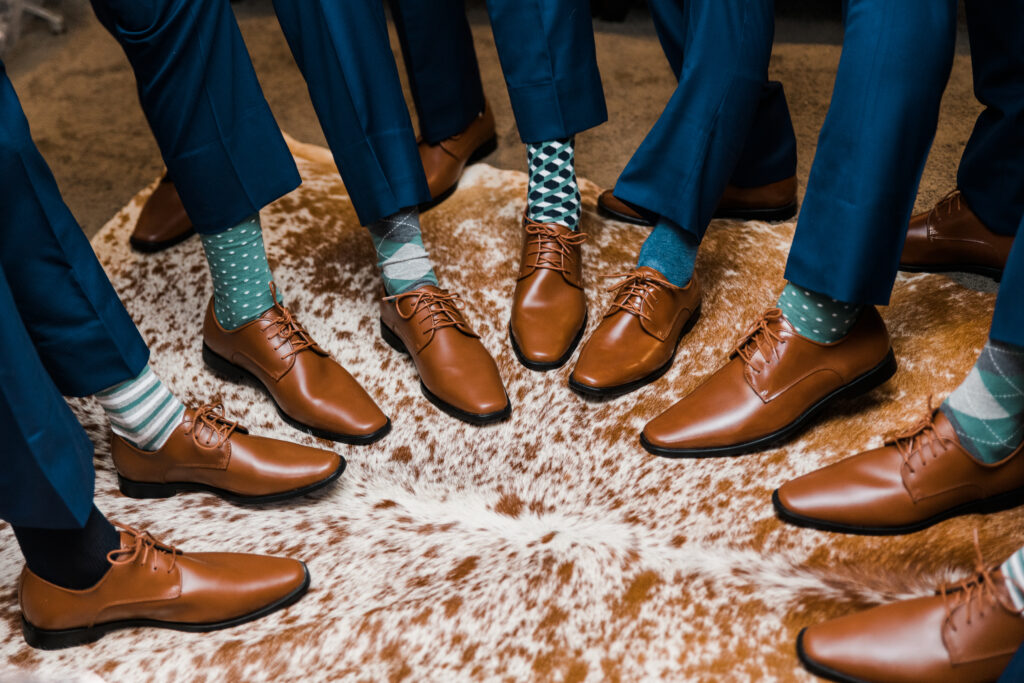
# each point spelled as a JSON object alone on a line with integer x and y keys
{"x": 772, "y": 378}
{"x": 162, "y": 220}
{"x": 444, "y": 162}
{"x": 771, "y": 196}
{"x": 950, "y": 234}
{"x": 910, "y": 479}
{"x": 150, "y": 581}
{"x": 304, "y": 380}
{"x": 449, "y": 356}
{"x": 639, "y": 332}
{"x": 207, "y": 448}
{"x": 549, "y": 306}
{"x": 921, "y": 640}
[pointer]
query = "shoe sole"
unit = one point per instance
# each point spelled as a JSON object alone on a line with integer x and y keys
{"x": 154, "y": 247}
{"x": 552, "y": 365}
{"x": 1003, "y": 501}
{"x": 819, "y": 669}
{"x": 479, "y": 153}
{"x": 44, "y": 639}
{"x": 233, "y": 373}
{"x": 621, "y": 389}
{"x": 994, "y": 273}
{"x": 144, "y": 489}
{"x": 769, "y": 214}
{"x": 393, "y": 340}
{"x": 858, "y": 387}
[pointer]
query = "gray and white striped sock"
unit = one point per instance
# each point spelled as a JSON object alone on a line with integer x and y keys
{"x": 142, "y": 411}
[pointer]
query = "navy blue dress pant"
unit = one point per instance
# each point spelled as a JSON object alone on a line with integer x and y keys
{"x": 725, "y": 122}
{"x": 66, "y": 334}
{"x": 546, "y": 49}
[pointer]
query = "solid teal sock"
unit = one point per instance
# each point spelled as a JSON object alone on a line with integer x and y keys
{"x": 240, "y": 272}
{"x": 987, "y": 409}
{"x": 671, "y": 250}
{"x": 553, "y": 196}
{"x": 816, "y": 316}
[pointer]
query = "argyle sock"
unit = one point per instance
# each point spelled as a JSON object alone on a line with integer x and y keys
{"x": 987, "y": 409}
{"x": 671, "y": 250}
{"x": 142, "y": 411}
{"x": 816, "y": 316}
{"x": 70, "y": 558}
{"x": 1013, "y": 570}
{"x": 553, "y": 195}
{"x": 240, "y": 272}
{"x": 403, "y": 261}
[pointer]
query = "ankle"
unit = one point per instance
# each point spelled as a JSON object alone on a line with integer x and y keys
{"x": 70, "y": 558}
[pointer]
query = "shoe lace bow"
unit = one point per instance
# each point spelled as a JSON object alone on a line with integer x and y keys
{"x": 636, "y": 291}
{"x": 141, "y": 545}
{"x": 763, "y": 337}
{"x": 436, "y": 309}
{"x": 977, "y": 591}
{"x": 289, "y": 330}
{"x": 210, "y": 419}
{"x": 919, "y": 439}
{"x": 552, "y": 246}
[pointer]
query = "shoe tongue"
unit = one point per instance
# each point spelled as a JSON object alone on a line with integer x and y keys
{"x": 943, "y": 427}
{"x": 650, "y": 272}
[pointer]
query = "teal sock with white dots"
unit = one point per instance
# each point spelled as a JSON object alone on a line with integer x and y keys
{"x": 816, "y": 316}
{"x": 240, "y": 272}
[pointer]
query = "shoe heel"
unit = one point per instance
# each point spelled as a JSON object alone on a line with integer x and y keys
{"x": 141, "y": 489}
{"x": 221, "y": 365}
{"x": 42, "y": 639}
{"x": 873, "y": 378}
{"x": 483, "y": 150}
{"x": 391, "y": 339}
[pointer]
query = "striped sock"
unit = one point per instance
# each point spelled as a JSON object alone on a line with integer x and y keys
{"x": 142, "y": 411}
{"x": 553, "y": 195}
{"x": 816, "y": 316}
{"x": 240, "y": 272}
{"x": 987, "y": 409}
{"x": 1013, "y": 570}
{"x": 403, "y": 261}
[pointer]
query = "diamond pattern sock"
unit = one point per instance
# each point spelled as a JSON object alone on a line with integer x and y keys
{"x": 240, "y": 272}
{"x": 403, "y": 261}
{"x": 553, "y": 195}
{"x": 1013, "y": 570}
{"x": 987, "y": 409}
{"x": 142, "y": 411}
{"x": 816, "y": 316}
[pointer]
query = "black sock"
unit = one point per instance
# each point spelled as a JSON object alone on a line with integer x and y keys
{"x": 70, "y": 558}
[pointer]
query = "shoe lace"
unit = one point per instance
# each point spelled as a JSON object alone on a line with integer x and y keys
{"x": 439, "y": 309}
{"x": 636, "y": 291}
{"x": 140, "y": 545}
{"x": 975, "y": 591}
{"x": 918, "y": 439}
{"x": 950, "y": 204}
{"x": 552, "y": 246}
{"x": 290, "y": 330}
{"x": 212, "y": 417}
{"x": 760, "y": 337}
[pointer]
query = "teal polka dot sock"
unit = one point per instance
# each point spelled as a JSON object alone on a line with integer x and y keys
{"x": 553, "y": 196}
{"x": 240, "y": 272}
{"x": 816, "y": 316}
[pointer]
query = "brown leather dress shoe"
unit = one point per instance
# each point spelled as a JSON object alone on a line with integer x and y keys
{"x": 162, "y": 221}
{"x": 444, "y": 162}
{"x": 549, "y": 307}
{"x": 456, "y": 373}
{"x": 637, "y": 339}
{"x": 153, "y": 584}
{"x": 966, "y": 633}
{"x": 951, "y": 237}
{"x": 312, "y": 392}
{"x": 919, "y": 478}
{"x": 773, "y": 385}
{"x": 208, "y": 452}
{"x": 772, "y": 202}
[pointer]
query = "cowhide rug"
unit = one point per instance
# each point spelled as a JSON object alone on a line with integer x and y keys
{"x": 548, "y": 548}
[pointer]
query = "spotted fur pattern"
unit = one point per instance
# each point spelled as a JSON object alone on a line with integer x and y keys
{"x": 548, "y": 548}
